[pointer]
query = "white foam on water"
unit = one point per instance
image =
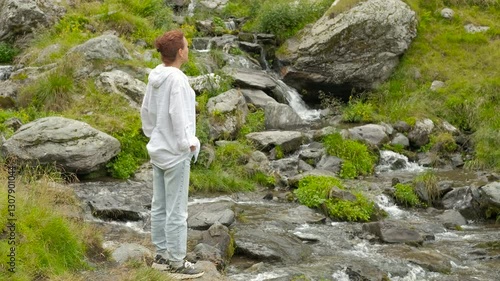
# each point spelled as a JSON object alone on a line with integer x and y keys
{"x": 386, "y": 204}
{"x": 416, "y": 273}
{"x": 340, "y": 275}
{"x": 390, "y": 161}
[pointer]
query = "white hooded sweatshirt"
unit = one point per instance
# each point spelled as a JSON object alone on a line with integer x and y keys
{"x": 169, "y": 118}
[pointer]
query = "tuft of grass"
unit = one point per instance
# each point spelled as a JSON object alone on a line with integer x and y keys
{"x": 226, "y": 173}
{"x": 429, "y": 180}
{"x": 358, "y": 111}
{"x": 48, "y": 243}
{"x": 52, "y": 91}
{"x": 358, "y": 159}
{"x": 405, "y": 195}
{"x": 255, "y": 122}
{"x": 313, "y": 192}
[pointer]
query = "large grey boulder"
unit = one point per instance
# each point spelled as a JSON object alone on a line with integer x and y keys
{"x": 227, "y": 114}
{"x": 73, "y": 145}
{"x": 21, "y": 17}
{"x": 258, "y": 98}
{"x": 104, "y": 47}
{"x": 358, "y": 48}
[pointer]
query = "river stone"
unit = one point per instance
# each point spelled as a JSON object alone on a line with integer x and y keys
{"x": 130, "y": 252}
{"x": 285, "y": 168}
{"x": 209, "y": 253}
{"x": 104, "y": 47}
{"x": 5, "y": 71}
{"x": 8, "y": 95}
{"x": 359, "y": 47}
{"x": 463, "y": 199}
{"x": 330, "y": 163}
{"x": 489, "y": 199}
{"x": 452, "y": 219}
{"x": 269, "y": 246}
{"x": 288, "y": 140}
{"x": 279, "y": 116}
{"x": 370, "y": 133}
{"x": 73, "y": 145}
{"x": 121, "y": 201}
{"x": 430, "y": 259}
{"x": 203, "y": 216}
{"x": 392, "y": 232}
{"x": 218, "y": 237}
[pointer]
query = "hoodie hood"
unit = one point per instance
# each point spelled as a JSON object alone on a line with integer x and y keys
{"x": 158, "y": 75}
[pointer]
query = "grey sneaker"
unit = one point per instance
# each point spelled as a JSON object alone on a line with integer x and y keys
{"x": 185, "y": 271}
{"x": 160, "y": 263}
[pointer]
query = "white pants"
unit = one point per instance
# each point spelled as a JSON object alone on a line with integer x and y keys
{"x": 169, "y": 211}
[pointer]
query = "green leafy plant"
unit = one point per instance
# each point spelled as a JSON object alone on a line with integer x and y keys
{"x": 7, "y": 52}
{"x": 405, "y": 195}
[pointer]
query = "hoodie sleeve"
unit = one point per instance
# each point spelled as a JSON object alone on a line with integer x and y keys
{"x": 179, "y": 114}
{"x": 148, "y": 114}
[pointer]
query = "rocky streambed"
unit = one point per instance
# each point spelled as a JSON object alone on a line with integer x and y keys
{"x": 275, "y": 239}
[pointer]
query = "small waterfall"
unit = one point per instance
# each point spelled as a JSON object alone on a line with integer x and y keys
{"x": 386, "y": 204}
{"x": 295, "y": 101}
{"x": 191, "y": 7}
{"x": 391, "y": 161}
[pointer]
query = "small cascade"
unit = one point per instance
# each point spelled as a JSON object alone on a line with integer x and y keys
{"x": 392, "y": 161}
{"x": 295, "y": 101}
{"x": 230, "y": 25}
{"x": 387, "y": 204}
{"x": 191, "y": 7}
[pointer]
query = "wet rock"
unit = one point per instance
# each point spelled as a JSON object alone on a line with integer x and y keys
{"x": 430, "y": 259}
{"x": 203, "y": 216}
{"x": 452, "y": 219}
{"x": 489, "y": 199}
{"x": 393, "y": 232}
{"x": 285, "y": 168}
{"x": 218, "y": 237}
{"x": 330, "y": 163}
{"x": 463, "y": 199}
{"x": 121, "y": 201}
{"x": 272, "y": 247}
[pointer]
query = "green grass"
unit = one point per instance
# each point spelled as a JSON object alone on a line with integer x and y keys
{"x": 467, "y": 63}
{"x": 358, "y": 159}
{"x": 405, "y": 195}
{"x": 313, "y": 192}
{"x": 47, "y": 243}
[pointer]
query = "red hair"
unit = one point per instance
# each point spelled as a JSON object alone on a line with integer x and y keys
{"x": 169, "y": 44}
